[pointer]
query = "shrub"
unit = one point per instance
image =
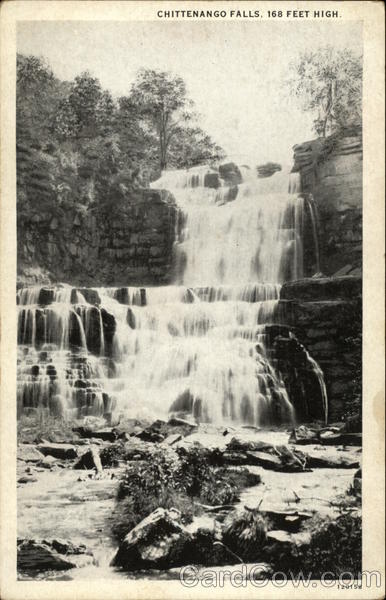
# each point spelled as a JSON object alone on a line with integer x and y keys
{"x": 175, "y": 480}
{"x": 111, "y": 455}
{"x": 344, "y": 535}
{"x": 203, "y": 478}
{"x": 137, "y": 505}
{"x": 147, "y": 485}
{"x": 245, "y": 534}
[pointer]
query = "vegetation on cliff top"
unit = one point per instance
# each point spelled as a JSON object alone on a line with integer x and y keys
{"x": 76, "y": 143}
{"x": 328, "y": 82}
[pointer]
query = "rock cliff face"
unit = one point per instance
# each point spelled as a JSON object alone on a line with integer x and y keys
{"x": 325, "y": 316}
{"x": 331, "y": 170}
{"x": 91, "y": 246}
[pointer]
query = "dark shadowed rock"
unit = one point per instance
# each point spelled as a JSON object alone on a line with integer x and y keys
{"x": 322, "y": 458}
{"x": 268, "y": 169}
{"x": 183, "y": 403}
{"x": 61, "y": 451}
{"x": 235, "y": 458}
{"x": 351, "y": 439}
{"x": 304, "y": 435}
{"x": 263, "y": 459}
{"x": 130, "y": 318}
{"x": 286, "y": 520}
{"x": 27, "y": 479}
{"x": 122, "y": 295}
{"x": 329, "y": 288}
{"x": 109, "y": 327}
{"x": 137, "y": 449}
{"x": 46, "y": 296}
{"x": 91, "y": 296}
{"x": 240, "y": 445}
{"x": 177, "y": 422}
{"x": 172, "y": 439}
{"x": 211, "y": 180}
{"x": 90, "y": 460}
{"x": 330, "y": 438}
{"x": 108, "y": 435}
{"x": 230, "y": 173}
{"x": 59, "y": 555}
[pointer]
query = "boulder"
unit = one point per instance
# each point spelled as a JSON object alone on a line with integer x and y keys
{"x": 109, "y": 327}
{"x": 357, "y": 483}
{"x": 137, "y": 449}
{"x": 290, "y": 521}
{"x": 58, "y": 555}
{"x": 329, "y": 438}
{"x": 235, "y": 458}
{"x": 211, "y": 180}
{"x": 159, "y": 541}
{"x": 48, "y": 461}
{"x": 303, "y": 435}
{"x": 109, "y": 434}
{"x": 287, "y": 540}
{"x": 230, "y": 173}
{"x": 90, "y": 460}
{"x": 268, "y": 169}
{"x": 46, "y": 296}
{"x": 147, "y": 435}
{"x": 172, "y": 439}
{"x": 316, "y": 459}
{"x": 26, "y": 479}
{"x": 263, "y": 459}
{"x": 61, "y": 451}
{"x": 240, "y": 445}
{"x": 91, "y": 296}
{"x": 329, "y": 288}
{"x": 256, "y": 452}
{"x": 292, "y": 460}
{"x": 29, "y": 453}
{"x": 351, "y": 439}
{"x": 176, "y": 422}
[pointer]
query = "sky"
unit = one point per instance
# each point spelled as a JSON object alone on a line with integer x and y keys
{"x": 234, "y": 71}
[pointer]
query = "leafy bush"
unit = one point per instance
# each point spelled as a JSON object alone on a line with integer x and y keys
{"x": 344, "y": 535}
{"x": 111, "y": 455}
{"x": 146, "y": 486}
{"x": 176, "y": 480}
{"x": 245, "y": 534}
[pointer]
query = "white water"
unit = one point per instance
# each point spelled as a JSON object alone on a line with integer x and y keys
{"x": 199, "y": 348}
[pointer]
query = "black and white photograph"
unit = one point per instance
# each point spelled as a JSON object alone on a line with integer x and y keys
{"x": 189, "y": 230}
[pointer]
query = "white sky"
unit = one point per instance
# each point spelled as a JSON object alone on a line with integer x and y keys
{"x": 234, "y": 71}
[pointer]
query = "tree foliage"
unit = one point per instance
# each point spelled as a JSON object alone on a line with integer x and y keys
{"x": 162, "y": 102}
{"x": 87, "y": 111}
{"x": 104, "y": 144}
{"x": 38, "y": 96}
{"x": 328, "y": 83}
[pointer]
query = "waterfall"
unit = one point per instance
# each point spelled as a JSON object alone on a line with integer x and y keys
{"x": 200, "y": 347}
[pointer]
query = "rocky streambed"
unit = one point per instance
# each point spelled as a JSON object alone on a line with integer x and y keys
{"x": 280, "y": 483}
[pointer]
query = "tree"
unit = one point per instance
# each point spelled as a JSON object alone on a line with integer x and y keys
{"x": 161, "y": 101}
{"x": 328, "y": 83}
{"x": 192, "y": 146}
{"x": 87, "y": 111}
{"x": 38, "y": 93}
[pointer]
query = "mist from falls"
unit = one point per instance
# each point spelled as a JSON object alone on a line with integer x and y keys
{"x": 200, "y": 347}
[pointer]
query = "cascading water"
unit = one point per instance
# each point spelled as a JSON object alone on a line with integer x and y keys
{"x": 198, "y": 348}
